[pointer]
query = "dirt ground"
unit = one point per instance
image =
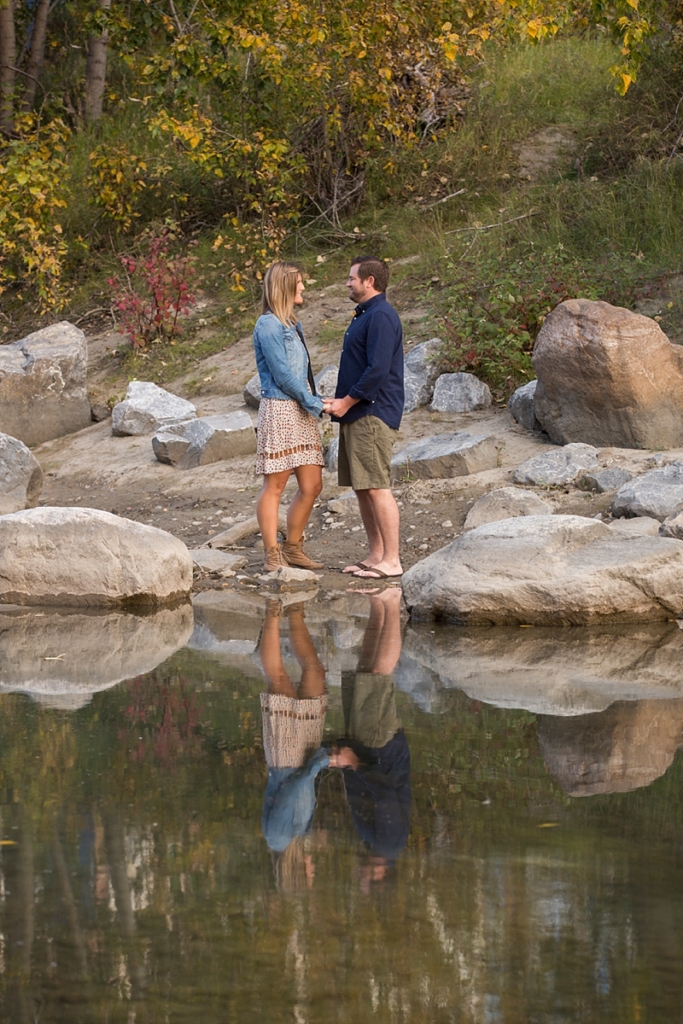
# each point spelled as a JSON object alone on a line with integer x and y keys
{"x": 120, "y": 474}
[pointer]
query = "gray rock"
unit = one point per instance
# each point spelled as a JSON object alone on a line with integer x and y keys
{"x": 604, "y": 480}
{"x": 21, "y": 478}
{"x": 420, "y": 374}
{"x": 332, "y": 456}
{"x": 252, "y": 392}
{"x": 550, "y": 671}
{"x": 345, "y": 504}
{"x": 326, "y": 381}
{"x": 43, "y": 384}
{"x": 658, "y": 494}
{"x": 290, "y": 574}
{"x": 445, "y": 455}
{"x": 61, "y": 659}
{"x": 83, "y": 556}
{"x": 99, "y": 412}
{"x": 219, "y": 562}
{"x": 671, "y": 527}
{"x": 147, "y": 407}
{"x": 553, "y": 469}
{"x": 641, "y": 526}
{"x": 608, "y": 376}
{"x": 521, "y": 406}
{"x": 201, "y": 441}
{"x": 460, "y": 392}
{"x": 543, "y": 570}
{"x": 506, "y": 503}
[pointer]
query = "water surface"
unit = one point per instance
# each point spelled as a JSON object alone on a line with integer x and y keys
{"x": 539, "y": 881}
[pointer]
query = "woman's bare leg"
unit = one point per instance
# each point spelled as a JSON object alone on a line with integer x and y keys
{"x": 312, "y": 670}
{"x": 268, "y": 505}
{"x": 271, "y": 654}
{"x": 310, "y": 481}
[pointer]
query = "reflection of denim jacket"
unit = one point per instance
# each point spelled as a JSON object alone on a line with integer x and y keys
{"x": 289, "y": 801}
{"x": 282, "y": 363}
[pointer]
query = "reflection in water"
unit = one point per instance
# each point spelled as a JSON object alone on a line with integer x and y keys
{"x": 374, "y": 752}
{"x": 293, "y": 725}
{"x": 62, "y": 659}
{"x": 136, "y": 886}
{"x": 623, "y": 748}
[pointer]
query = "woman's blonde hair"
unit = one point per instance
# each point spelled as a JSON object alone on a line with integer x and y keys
{"x": 279, "y": 291}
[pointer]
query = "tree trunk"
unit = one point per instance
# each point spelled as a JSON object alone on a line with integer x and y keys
{"x": 35, "y": 62}
{"x": 96, "y": 71}
{"x": 8, "y": 61}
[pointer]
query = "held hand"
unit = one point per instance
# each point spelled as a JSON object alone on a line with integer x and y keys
{"x": 339, "y": 406}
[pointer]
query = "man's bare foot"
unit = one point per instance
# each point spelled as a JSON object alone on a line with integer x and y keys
{"x": 381, "y": 571}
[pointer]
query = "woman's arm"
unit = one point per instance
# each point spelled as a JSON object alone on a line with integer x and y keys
{"x": 271, "y": 334}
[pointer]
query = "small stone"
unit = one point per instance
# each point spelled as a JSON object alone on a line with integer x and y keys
{"x": 252, "y": 392}
{"x": 506, "y": 503}
{"x": 521, "y": 406}
{"x": 561, "y": 466}
{"x": 447, "y": 524}
{"x": 147, "y": 407}
{"x": 290, "y": 574}
{"x": 332, "y": 456}
{"x": 99, "y": 411}
{"x": 445, "y": 455}
{"x": 217, "y": 561}
{"x": 344, "y": 504}
{"x": 606, "y": 479}
{"x": 641, "y": 526}
{"x": 460, "y": 392}
{"x": 671, "y": 527}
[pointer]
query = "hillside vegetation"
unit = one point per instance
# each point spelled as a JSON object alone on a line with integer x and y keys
{"x": 505, "y": 156}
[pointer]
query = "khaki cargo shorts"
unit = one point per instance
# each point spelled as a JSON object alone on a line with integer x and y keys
{"x": 365, "y": 454}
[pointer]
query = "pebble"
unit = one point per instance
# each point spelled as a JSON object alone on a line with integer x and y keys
{"x": 447, "y": 523}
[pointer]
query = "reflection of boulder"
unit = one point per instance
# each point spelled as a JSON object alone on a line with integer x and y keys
{"x": 554, "y": 671}
{"x": 623, "y": 748}
{"x": 61, "y": 659}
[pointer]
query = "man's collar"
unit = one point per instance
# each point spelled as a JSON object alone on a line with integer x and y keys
{"x": 361, "y": 307}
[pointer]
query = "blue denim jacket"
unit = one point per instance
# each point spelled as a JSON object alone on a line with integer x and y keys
{"x": 282, "y": 363}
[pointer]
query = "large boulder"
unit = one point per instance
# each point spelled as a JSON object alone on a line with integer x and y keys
{"x": 420, "y": 374}
{"x": 147, "y": 407}
{"x": 21, "y": 478}
{"x": 542, "y": 570}
{"x": 553, "y": 469}
{"x": 43, "y": 384}
{"x": 658, "y": 494}
{"x": 551, "y": 671}
{"x": 608, "y": 376}
{"x": 201, "y": 441}
{"x": 63, "y": 659}
{"x": 83, "y": 556}
{"x": 627, "y": 746}
{"x": 521, "y": 406}
{"x": 445, "y": 455}
{"x": 460, "y": 392}
{"x": 252, "y": 392}
{"x": 506, "y": 503}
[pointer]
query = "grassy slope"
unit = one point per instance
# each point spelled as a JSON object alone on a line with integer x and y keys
{"x": 605, "y": 220}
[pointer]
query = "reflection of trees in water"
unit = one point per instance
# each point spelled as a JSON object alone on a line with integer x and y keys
{"x": 150, "y": 877}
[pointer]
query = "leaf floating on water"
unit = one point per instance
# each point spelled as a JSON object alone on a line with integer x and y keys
{"x": 549, "y": 824}
{"x": 7, "y": 842}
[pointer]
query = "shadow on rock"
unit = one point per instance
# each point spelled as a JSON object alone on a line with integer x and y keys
{"x": 62, "y": 659}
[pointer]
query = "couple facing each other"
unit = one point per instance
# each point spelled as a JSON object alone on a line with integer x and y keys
{"x": 368, "y": 405}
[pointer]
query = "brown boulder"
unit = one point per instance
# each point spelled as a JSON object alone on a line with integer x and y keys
{"x": 607, "y": 376}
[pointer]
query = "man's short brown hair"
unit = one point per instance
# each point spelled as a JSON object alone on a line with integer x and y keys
{"x": 373, "y": 266}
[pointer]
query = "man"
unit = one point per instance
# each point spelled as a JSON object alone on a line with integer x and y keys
{"x": 369, "y": 405}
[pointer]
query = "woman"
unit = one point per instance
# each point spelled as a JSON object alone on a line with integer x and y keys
{"x": 288, "y": 435}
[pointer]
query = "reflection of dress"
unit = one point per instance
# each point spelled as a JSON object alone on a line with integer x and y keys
{"x": 292, "y": 729}
{"x": 292, "y": 737}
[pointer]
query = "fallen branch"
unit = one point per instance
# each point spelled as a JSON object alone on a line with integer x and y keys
{"x": 498, "y": 224}
{"x": 241, "y": 530}
{"x": 92, "y": 312}
{"x": 444, "y": 200}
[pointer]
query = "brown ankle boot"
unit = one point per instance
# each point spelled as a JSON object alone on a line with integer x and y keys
{"x": 295, "y": 555}
{"x": 274, "y": 559}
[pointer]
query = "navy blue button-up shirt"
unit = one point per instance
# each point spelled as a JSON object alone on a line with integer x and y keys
{"x": 371, "y": 365}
